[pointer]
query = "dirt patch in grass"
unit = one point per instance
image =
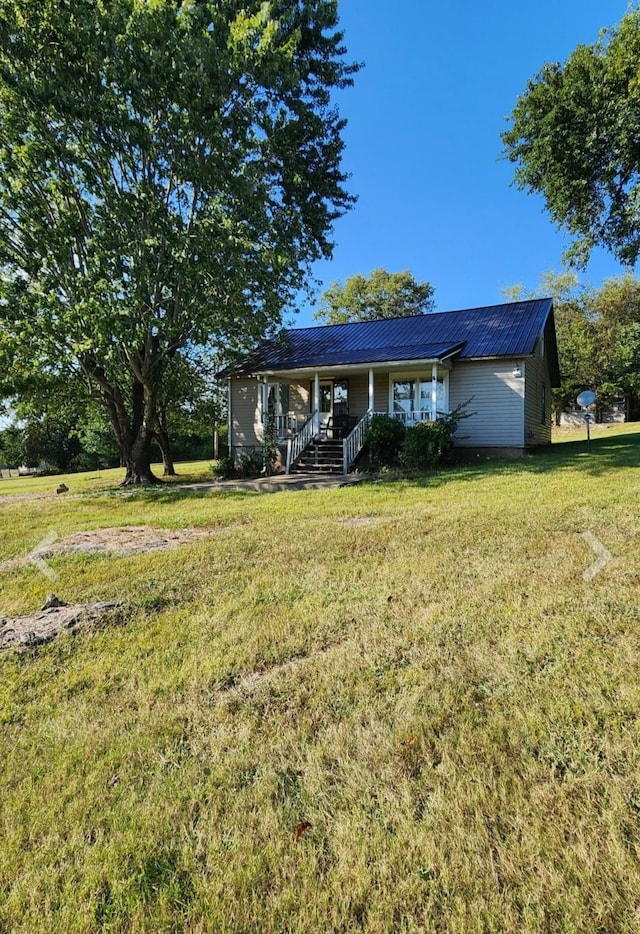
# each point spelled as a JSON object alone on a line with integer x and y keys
{"x": 20, "y": 497}
{"x": 130, "y": 540}
{"x": 27, "y": 631}
{"x": 127, "y": 540}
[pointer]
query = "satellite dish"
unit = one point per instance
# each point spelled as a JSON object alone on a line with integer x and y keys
{"x": 586, "y": 398}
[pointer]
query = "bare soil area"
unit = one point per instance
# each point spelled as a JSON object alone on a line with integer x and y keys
{"x": 26, "y": 631}
{"x": 127, "y": 540}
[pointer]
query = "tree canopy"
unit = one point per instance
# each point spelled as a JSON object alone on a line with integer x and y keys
{"x": 169, "y": 171}
{"x": 574, "y": 139}
{"x": 598, "y": 334}
{"x": 382, "y": 294}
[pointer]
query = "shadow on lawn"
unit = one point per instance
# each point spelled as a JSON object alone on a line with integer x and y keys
{"x": 607, "y": 454}
{"x": 171, "y": 493}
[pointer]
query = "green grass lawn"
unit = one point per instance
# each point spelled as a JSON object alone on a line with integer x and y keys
{"x": 95, "y": 480}
{"x": 427, "y": 721}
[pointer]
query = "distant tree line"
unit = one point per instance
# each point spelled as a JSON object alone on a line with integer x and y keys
{"x": 598, "y": 334}
{"x": 381, "y": 294}
{"x": 52, "y": 422}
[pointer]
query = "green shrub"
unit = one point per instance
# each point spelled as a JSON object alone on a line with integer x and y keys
{"x": 246, "y": 467}
{"x": 224, "y": 468}
{"x": 426, "y": 445}
{"x": 250, "y": 465}
{"x": 384, "y": 438}
{"x": 269, "y": 446}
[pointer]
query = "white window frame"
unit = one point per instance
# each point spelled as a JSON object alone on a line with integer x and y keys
{"x": 416, "y": 377}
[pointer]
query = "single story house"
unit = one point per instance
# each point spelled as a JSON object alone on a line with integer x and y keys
{"x": 318, "y": 387}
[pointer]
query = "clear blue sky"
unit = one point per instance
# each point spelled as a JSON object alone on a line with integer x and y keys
{"x": 423, "y": 142}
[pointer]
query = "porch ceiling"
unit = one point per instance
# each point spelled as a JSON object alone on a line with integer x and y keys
{"x": 345, "y": 369}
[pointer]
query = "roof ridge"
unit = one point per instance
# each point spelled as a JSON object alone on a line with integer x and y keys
{"x": 419, "y": 315}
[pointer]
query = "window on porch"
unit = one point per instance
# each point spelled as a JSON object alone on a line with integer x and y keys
{"x": 276, "y": 409}
{"x": 411, "y": 397}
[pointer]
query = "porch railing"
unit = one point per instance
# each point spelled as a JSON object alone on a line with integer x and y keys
{"x": 354, "y": 442}
{"x": 284, "y": 425}
{"x": 300, "y": 440}
{"x": 410, "y": 418}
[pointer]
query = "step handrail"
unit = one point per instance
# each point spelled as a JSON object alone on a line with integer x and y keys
{"x": 301, "y": 440}
{"x": 354, "y": 442}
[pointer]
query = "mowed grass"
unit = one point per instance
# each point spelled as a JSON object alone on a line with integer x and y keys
{"x": 13, "y": 485}
{"x": 427, "y": 721}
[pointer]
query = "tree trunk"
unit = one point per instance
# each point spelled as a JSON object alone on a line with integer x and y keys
{"x": 133, "y": 432}
{"x": 168, "y": 469}
{"x": 162, "y": 436}
{"x": 134, "y": 440}
{"x": 138, "y": 460}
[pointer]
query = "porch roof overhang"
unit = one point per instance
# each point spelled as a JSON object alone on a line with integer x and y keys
{"x": 331, "y": 362}
{"x": 341, "y": 369}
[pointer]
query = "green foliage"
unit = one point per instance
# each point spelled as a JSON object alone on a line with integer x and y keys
{"x": 98, "y": 445}
{"x": 169, "y": 174}
{"x": 245, "y": 467}
{"x": 12, "y": 448}
{"x": 574, "y": 139}
{"x": 54, "y": 423}
{"x": 381, "y": 295}
{"x": 249, "y": 465}
{"x": 224, "y": 468}
{"x": 269, "y": 445}
{"x": 598, "y": 333}
{"x": 420, "y": 447}
{"x": 425, "y": 446}
{"x": 384, "y": 438}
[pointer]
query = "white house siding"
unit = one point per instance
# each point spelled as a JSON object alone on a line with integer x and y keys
{"x": 497, "y": 403}
{"x": 380, "y": 392}
{"x": 299, "y": 400}
{"x": 358, "y": 393}
{"x": 300, "y": 394}
{"x": 537, "y": 430}
{"x": 246, "y": 430}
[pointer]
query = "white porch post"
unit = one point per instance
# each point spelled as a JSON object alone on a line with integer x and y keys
{"x": 371, "y": 402}
{"x": 260, "y": 401}
{"x": 434, "y": 392}
{"x": 316, "y": 402}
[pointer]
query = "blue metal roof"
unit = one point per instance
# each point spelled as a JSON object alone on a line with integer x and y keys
{"x": 509, "y": 330}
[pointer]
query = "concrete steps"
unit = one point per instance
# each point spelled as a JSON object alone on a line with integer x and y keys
{"x": 324, "y": 457}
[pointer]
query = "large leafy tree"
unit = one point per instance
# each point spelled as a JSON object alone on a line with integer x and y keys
{"x": 574, "y": 139}
{"x": 598, "y": 334}
{"x": 382, "y": 294}
{"x": 168, "y": 173}
{"x": 615, "y": 308}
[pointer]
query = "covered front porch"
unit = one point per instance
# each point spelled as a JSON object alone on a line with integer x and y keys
{"x": 335, "y": 405}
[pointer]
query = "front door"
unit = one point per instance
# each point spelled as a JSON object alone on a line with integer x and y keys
{"x": 326, "y": 402}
